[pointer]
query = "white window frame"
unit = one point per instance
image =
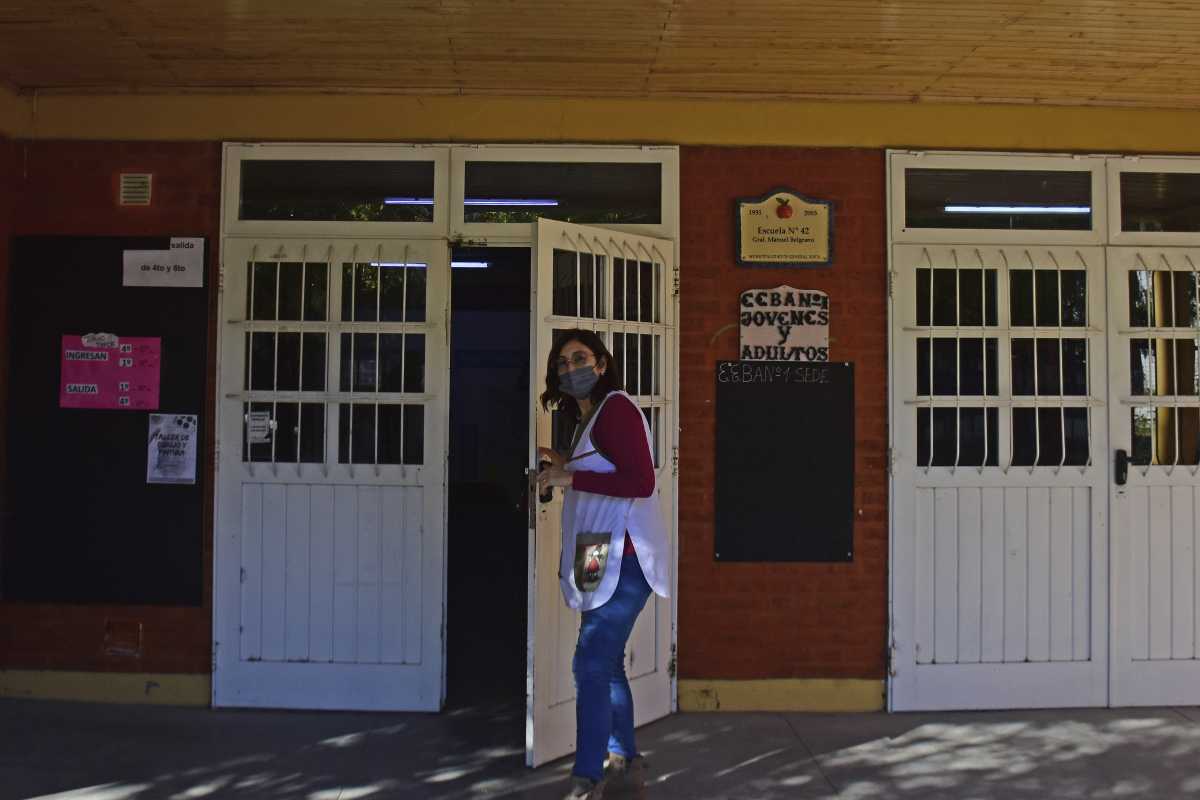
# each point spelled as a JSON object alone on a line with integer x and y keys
{"x": 236, "y": 153}
{"x": 1117, "y": 166}
{"x": 490, "y": 232}
{"x": 899, "y": 161}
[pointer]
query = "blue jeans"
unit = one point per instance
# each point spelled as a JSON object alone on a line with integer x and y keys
{"x": 603, "y": 702}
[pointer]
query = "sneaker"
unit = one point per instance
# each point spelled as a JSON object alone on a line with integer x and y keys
{"x": 625, "y": 776}
{"x": 585, "y": 789}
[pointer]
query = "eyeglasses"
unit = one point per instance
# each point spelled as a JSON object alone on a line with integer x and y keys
{"x": 579, "y": 358}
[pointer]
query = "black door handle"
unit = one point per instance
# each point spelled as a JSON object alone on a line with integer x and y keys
{"x": 1122, "y": 468}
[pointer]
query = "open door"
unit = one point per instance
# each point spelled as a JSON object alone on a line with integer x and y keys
{"x": 622, "y": 287}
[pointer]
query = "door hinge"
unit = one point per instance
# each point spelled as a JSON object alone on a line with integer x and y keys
{"x": 889, "y": 659}
{"x": 675, "y": 461}
{"x": 243, "y": 575}
{"x": 891, "y": 461}
{"x": 891, "y": 278}
{"x": 671, "y": 663}
{"x": 675, "y": 279}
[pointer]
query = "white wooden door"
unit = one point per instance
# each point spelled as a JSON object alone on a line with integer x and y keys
{"x": 331, "y": 466}
{"x": 620, "y": 286}
{"x": 1000, "y": 460}
{"x": 1154, "y": 324}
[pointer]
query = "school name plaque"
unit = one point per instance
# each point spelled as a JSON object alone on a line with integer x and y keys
{"x": 783, "y": 229}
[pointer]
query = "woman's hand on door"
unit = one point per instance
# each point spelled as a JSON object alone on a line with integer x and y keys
{"x": 556, "y": 459}
{"x": 554, "y": 476}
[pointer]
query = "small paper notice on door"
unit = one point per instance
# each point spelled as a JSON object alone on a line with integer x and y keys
{"x": 171, "y": 453}
{"x": 181, "y": 266}
{"x": 258, "y": 427}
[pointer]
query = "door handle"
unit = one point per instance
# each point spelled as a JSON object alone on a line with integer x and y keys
{"x": 1121, "y": 474}
{"x": 530, "y": 492}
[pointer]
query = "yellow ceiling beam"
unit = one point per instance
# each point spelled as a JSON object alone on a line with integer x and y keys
{"x": 450, "y": 118}
{"x": 15, "y": 113}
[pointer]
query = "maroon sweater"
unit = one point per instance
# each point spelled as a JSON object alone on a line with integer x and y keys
{"x": 620, "y": 436}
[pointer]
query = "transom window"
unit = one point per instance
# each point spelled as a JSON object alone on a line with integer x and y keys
{"x": 582, "y": 192}
{"x": 341, "y": 191}
{"x": 1004, "y": 199}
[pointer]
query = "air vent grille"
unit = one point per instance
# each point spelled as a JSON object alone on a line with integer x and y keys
{"x": 135, "y": 188}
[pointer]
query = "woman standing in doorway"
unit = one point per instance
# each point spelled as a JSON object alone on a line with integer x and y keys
{"x": 615, "y": 549}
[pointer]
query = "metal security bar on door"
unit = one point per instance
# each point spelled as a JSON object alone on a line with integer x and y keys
{"x": 384, "y": 302}
{"x": 375, "y": 349}
{"x": 1164, "y": 302}
{"x": 956, "y": 367}
{"x": 626, "y": 311}
{"x": 959, "y": 376}
{"x": 286, "y": 348}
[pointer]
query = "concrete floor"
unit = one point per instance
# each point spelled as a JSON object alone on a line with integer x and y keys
{"x": 98, "y": 752}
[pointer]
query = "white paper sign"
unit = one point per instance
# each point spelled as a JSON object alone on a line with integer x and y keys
{"x": 784, "y": 324}
{"x": 258, "y": 427}
{"x": 180, "y": 267}
{"x": 171, "y": 452}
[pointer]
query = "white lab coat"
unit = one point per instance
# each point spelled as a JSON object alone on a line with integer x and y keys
{"x": 593, "y": 528}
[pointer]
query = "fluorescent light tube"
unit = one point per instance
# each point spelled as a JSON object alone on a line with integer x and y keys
{"x": 1018, "y": 209}
{"x": 509, "y": 202}
{"x": 421, "y": 265}
{"x": 472, "y": 201}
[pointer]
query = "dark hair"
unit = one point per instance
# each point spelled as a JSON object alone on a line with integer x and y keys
{"x": 610, "y": 381}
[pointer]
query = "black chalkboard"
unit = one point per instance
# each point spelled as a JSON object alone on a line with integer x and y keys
{"x": 83, "y": 526}
{"x": 785, "y": 461}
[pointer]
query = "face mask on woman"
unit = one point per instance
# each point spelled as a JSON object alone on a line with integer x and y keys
{"x": 578, "y": 382}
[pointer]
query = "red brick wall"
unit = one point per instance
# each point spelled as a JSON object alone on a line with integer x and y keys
{"x": 785, "y": 620}
{"x": 70, "y": 188}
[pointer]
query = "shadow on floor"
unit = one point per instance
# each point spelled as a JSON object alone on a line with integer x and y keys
{"x": 68, "y": 750}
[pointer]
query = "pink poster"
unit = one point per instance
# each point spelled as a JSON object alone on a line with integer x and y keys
{"x": 101, "y": 370}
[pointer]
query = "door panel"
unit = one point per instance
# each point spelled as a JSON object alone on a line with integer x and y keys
{"x": 619, "y": 286}
{"x": 1154, "y": 321}
{"x": 331, "y": 475}
{"x": 1000, "y": 548}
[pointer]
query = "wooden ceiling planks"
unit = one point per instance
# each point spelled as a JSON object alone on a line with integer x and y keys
{"x": 1095, "y": 52}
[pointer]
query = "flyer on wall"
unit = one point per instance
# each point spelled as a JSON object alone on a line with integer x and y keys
{"x": 171, "y": 454}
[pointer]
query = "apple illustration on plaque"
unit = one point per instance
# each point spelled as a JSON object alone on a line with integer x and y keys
{"x": 784, "y": 210}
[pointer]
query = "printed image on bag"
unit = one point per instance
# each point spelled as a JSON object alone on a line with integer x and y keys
{"x": 591, "y": 557}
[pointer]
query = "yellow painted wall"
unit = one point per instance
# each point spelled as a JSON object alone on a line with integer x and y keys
{"x": 108, "y": 687}
{"x": 788, "y": 694}
{"x": 14, "y": 113}
{"x": 405, "y": 118}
